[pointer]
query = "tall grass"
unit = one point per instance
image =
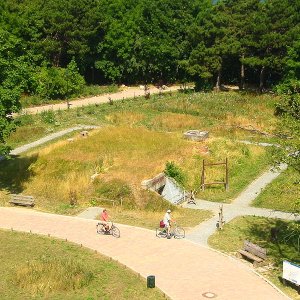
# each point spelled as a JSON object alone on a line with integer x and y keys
{"x": 125, "y": 156}
{"x": 36, "y": 267}
{"x": 46, "y": 275}
{"x": 216, "y": 112}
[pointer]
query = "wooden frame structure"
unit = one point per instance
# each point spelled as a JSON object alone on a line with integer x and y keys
{"x": 225, "y": 183}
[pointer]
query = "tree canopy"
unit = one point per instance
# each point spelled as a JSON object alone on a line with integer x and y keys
{"x": 125, "y": 41}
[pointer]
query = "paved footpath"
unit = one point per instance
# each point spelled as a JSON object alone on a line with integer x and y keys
{"x": 183, "y": 270}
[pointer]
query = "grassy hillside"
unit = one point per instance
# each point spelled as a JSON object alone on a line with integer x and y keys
{"x": 220, "y": 113}
{"x": 136, "y": 139}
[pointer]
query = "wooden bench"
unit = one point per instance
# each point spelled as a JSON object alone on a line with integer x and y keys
{"x": 22, "y": 200}
{"x": 255, "y": 253}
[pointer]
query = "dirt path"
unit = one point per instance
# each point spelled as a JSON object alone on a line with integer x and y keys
{"x": 129, "y": 92}
{"x": 183, "y": 270}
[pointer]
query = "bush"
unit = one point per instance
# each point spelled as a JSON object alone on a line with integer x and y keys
{"x": 173, "y": 171}
{"x": 48, "y": 116}
{"x": 58, "y": 83}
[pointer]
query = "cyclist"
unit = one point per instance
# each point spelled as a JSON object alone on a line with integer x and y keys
{"x": 104, "y": 219}
{"x": 167, "y": 222}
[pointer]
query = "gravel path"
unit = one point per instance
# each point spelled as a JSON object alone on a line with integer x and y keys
{"x": 129, "y": 92}
{"x": 240, "y": 206}
{"x": 48, "y": 138}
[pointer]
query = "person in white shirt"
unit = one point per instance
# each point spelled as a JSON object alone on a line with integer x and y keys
{"x": 167, "y": 221}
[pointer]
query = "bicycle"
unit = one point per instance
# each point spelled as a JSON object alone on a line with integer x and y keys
{"x": 176, "y": 232}
{"x": 113, "y": 230}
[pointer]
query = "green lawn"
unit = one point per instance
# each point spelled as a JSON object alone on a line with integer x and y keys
{"x": 257, "y": 230}
{"x": 35, "y": 267}
{"x": 282, "y": 194}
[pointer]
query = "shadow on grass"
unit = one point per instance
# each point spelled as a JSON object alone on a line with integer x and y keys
{"x": 15, "y": 172}
{"x": 280, "y": 237}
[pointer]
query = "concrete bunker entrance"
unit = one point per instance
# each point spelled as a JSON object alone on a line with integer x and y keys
{"x": 166, "y": 187}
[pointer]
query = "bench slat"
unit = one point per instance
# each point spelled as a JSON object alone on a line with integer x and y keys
{"x": 255, "y": 249}
{"x": 251, "y": 256}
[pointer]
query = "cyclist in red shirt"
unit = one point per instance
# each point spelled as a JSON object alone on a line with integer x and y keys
{"x": 104, "y": 219}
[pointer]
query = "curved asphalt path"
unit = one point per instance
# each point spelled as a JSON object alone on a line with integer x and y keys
{"x": 183, "y": 270}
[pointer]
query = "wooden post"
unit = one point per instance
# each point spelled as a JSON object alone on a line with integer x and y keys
{"x": 202, "y": 176}
{"x": 226, "y": 178}
{"x": 221, "y": 218}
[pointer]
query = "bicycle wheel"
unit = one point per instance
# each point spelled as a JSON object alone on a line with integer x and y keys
{"x": 161, "y": 232}
{"x": 179, "y": 233}
{"x": 100, "y": 228}
{"x": 115, "y": 232}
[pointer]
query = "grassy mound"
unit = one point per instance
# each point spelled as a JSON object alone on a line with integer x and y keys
{"x": 35, "y": 267}
{"x": 124, "y": 157}
{"x": 137, "y": 139}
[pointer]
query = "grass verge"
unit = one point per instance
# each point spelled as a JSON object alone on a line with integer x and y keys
{"x": 282, "y": 194}
{"x": 35, "y": 267}
{"x": 257, "y": 230}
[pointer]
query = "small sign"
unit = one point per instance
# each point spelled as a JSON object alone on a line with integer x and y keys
{"x": 291, "y": 272}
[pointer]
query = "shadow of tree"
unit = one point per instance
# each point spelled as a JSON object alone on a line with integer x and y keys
{"x": 279, "y": 237}
{"x": 15, "y": 172}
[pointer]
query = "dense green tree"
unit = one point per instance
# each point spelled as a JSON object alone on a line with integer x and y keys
{"x": 58, "y": 83}
{"x": 205, "y": 59}
{"x": 289, "y": 107}
{"x": 238, "y": 18}
{"x": 145, "y": 40}
{"x": 273, "y": 32}
{"x": 12, "y": 74}
{"x": 55, "y": 31}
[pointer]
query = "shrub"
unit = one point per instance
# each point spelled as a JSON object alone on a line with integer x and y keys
{"x": 48, "y": 116}
{"x": 173, "y": 171}
{"x": 58, "y": 83}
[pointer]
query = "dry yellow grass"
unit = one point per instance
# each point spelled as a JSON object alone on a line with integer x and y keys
{"x": 124, "y": 156}
{"x": 172, "y": 121}
{"x": 128, "y": 154}
{"x": 125, "y": 118}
